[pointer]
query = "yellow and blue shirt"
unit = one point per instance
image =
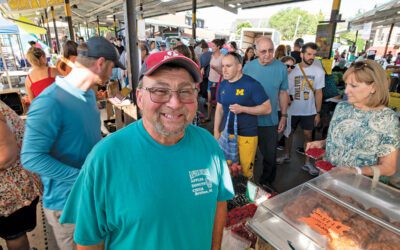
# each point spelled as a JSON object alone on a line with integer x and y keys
{"x": 246, "y": 92}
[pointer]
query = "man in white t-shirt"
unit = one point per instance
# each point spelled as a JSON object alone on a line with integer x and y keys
{"x": 305, "y": 88}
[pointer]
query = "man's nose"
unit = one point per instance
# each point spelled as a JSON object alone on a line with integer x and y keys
{"x": 174, "y": 100}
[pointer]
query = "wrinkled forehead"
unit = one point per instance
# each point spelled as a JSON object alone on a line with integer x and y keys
{"x": 264, "y": 45}
{"x": 169, "y": 77}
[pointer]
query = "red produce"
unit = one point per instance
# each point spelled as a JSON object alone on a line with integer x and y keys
{"x": 315, "y": 153}
{"x": 324, "y": 165}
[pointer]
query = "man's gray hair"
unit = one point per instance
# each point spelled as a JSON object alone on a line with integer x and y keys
{"x": 263, "y": 39}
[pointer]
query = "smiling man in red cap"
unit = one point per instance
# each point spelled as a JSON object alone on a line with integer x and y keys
{"x": 159, "y": 183}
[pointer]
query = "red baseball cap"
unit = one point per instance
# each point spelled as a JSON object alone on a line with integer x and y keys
{"x": 155, "y": 60}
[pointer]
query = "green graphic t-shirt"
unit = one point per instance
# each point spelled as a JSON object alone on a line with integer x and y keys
{"x": 134, "y": 193}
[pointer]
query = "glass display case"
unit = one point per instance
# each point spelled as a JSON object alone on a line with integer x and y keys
{"x": 337, "y": 210}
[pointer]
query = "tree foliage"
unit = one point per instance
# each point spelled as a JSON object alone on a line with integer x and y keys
{"x": 351, "y": 37}
{"x": 240, "y": 26}
{"x": 285, "y": 22}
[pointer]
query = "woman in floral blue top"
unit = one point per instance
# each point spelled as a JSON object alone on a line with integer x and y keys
{"x": 364, "y": 133}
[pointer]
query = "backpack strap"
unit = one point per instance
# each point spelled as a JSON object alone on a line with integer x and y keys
{"x": 306, "y": 78}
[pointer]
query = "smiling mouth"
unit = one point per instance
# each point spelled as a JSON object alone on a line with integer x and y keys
{"x": 172, "y": 117}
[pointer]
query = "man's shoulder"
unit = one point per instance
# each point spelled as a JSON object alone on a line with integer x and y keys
{"x": 278, "y": 64}
{"x": 248, "y": 80}
{"x": 200, "y": 134}
{"x": 317, "y": 69}
{"x": 116, "y": 143}
{"x": 252, "y": 64}
{"x": 223, "y": 83}
{"x": 296, "y": 71}
{"x": 48, "y": 99}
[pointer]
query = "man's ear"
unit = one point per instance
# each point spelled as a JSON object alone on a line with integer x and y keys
{"x": 100, "y": 64}
{"x": 139, "y": 98}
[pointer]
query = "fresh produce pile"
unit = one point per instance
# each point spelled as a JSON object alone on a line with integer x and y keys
{"x": 315, "y": 153}
{"x": 324, "y": 166}
{"x": 239, "y": 214}
{"x": 236, "y": 221}
{"x": 242, "y": 231}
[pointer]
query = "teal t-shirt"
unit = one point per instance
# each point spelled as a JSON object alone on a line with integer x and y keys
{"x": 274, "y": 78}
{"x": 134, "y": 193}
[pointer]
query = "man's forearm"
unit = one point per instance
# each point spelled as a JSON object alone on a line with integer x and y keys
{"x": 45, "y": 165}
{"x": 219, "y": 224}
{"x": 262, "y": 109}
{"x": 218, "y": 117}
{"x": 318, "y": 99}
{"x": 283, "y": 101}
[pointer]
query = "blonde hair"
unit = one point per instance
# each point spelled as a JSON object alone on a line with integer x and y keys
{"x": 33, "y": 56}
{"x": 371, "y": 73}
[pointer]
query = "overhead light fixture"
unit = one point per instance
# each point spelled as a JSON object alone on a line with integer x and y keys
{"x": 231, "y": 5}
{"x": 165, "y": 1}
{"x": 238, "y": 4}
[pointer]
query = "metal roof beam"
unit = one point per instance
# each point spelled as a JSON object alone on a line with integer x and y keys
{"x": 107, "y": 6}
{"x": 257, "y": 4}
{"x": 222, "y": 5}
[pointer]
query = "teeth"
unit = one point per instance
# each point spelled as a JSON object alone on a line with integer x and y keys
{"x": 171, "y": 116}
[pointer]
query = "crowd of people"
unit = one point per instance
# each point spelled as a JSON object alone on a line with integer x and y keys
{"x": 162, "y": 182}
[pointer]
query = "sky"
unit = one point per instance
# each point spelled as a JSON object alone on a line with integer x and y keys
{"x": 219, "y": 19}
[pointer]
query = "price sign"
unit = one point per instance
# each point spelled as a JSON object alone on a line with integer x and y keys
{"x": 322, "y": 223}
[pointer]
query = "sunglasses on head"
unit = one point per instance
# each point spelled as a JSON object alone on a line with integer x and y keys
{"x": 290, "y": 66}
{"x": 360, "y": 65}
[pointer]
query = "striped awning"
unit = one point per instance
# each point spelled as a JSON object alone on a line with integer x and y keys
{"x": 29, "y": 26}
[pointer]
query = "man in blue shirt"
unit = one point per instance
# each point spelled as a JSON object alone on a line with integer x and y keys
{"x": 62, "y": 126}
{"x": 245, "y": 97}
{"x": 159, "y": 183}
{"x": 272, "y": 74}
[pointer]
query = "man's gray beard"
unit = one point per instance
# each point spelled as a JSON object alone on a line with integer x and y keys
{"x": 161, "y": 129}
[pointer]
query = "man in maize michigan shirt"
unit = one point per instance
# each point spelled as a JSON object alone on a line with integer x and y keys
{"x": 62, "y": 126}
{"x": 159, "y": 183}
{"x": 245, "y": 97}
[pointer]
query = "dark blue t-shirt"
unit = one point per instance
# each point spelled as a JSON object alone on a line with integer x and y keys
{"x": 246, "y": 92}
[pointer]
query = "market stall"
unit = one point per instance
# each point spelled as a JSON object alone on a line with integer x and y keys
{"x": 337, "y": 210}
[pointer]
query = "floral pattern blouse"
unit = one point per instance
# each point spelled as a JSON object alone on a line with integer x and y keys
{"x": 18, "y": 187}
{"x": 357, "y": 138}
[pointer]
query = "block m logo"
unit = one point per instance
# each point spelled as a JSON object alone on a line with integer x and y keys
{"x": 240, "y": 92}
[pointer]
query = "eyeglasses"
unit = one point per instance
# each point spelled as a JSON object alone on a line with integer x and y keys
{"x": 163, "y": 95}
{"x": 290, "y": 66}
